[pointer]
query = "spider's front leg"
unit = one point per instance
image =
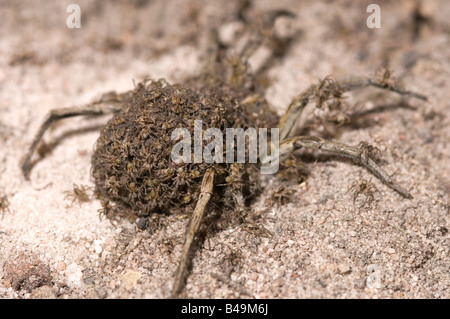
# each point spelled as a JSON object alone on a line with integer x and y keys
{"x": 108, "y": 103}
{"x": 257, "y": 31}
{"x": 325, "y": 90}
{"x": 360, "y": 154}
{"x": 192, "y": 229}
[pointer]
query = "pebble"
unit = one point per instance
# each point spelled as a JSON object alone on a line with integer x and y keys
{"x": 344, "y": 269}
{"x": 390, "y": 250}
{"x": 44, "y": 292}
{"x": 61, "y": 266}
{"x": 97, "y": 247}
{"x": 74, "y": 276}
{"x": 425, "y": 135}
{"x": 254, "y": 277}
{"x": 130, "y": 279}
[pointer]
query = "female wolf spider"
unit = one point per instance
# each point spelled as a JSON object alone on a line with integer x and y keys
{"x": 131, "y": 165}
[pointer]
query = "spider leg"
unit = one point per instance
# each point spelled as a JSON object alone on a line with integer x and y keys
{"x": 262, "y": 30}
{"x": 192, "y": 229}
{"x": 236, "y": 181}
{"x": 109, "y": 103}
{"x": 359, "y": 154}
{"x": 258, "y": 32}
{"x": 328, "y": 88}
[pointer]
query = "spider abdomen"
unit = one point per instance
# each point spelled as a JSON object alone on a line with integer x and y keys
{"x": 132, "y": 165}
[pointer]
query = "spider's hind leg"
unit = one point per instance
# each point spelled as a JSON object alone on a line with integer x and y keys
{"x": 109, "y": 103}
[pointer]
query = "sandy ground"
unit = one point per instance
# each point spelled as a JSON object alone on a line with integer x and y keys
{"x": 323, "y": 244}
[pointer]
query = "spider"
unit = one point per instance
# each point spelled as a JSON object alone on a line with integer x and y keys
{"x": 78, "y": 193}
{"x": 4, "y": 205}
{"x": 131, "y": 165}
{"x": 366, "y": 188}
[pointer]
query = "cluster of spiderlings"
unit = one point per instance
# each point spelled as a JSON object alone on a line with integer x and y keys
{"x": 132, "y": 166}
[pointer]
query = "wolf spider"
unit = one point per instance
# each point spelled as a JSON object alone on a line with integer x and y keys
{"x": 78, "y": 194}
{"x": 131, "y": 167}
{"x": 366, "y": 188}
